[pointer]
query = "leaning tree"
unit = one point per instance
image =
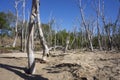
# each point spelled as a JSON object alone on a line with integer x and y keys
{"x": 35, "y": 16}
{"x": 86, "y": 26}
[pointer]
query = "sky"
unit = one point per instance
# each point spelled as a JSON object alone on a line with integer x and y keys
{"x": 65, "y": 12}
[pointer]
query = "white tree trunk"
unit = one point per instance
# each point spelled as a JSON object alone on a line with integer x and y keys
{"x": 67, "y": 44}
{"x": 23, "y": 24}
{"x": 30, "y": 51}
{"x": 85, "y": 25}
{"x": 26, "y": 32}
{"x": 25, "y": 44}
{"x": 107, "y": 29}
{"x": 30, "y": 45}
{"x": 42, "y": 39}
{"x": 30, "y": 48}
{"x": 98, "y": 27}
{"x": 16, "y": 24}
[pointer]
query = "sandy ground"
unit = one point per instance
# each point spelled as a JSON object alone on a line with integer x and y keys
{"x": 74, "y": 65}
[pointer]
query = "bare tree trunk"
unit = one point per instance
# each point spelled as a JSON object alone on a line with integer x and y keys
{"x": 55, "y": 41}
{"x": 106, "y": 29}
{"x": 50, "y": 32}
{"x": 26, "y": 33}
{"x": 109, "y": 40}
{"x": 98, "y": 27}
{"x": 16, "y": 24}
{"x": 23, "y": 24}
{"x": 67, "y": 44}
{"x": 90, "y": 40}
{"x": 30, "y": 49}
{"x": 85, "y": 25}
{"x": 30, "y": 46}
{"x": 42, "y": 39}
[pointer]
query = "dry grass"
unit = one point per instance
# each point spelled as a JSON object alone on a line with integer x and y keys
{"x": 75, "y": 65}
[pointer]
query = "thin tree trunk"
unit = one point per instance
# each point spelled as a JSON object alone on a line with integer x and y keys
{"x": 55, "y": 41}
{"x": 16, "y": 24}
{"x": 50, "y": 32}
{"x": 23, "y": 25}
{"x": 98, "y": 28}
{"x": 42, "y": 39}
{"x": 107, "y": 29}
{"x": 99, "y": 41}
{"x": 85, "y": 25}
{"x": 25, "y": 39}
{"x": 110, "y": 40}
{"x": 26, "y": 33}
{"x": 90, "y": 40}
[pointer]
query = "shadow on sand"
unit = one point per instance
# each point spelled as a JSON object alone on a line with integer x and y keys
{"x": 17, "y": 71}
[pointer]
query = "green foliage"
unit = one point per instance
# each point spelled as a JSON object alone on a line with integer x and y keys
{"x": 6, "y": 21}
{"x": 8, "y": 49}
{"x": 3, "y": 22}
{"x": 61, "y": 37}
{"x": 95, "y": 41}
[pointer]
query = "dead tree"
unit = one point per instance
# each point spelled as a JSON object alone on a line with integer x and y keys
{"x": 30, "y": 49}
{"x": 16, "y": 24}
{"x": 98, "y": 25}
{"x": 106, "y": 27}
{"x": 67, "y": 43}
{"x": 42, "y": 39}
{"x": 23, "y": 24}
{"x": 85, "y": 25}
{"x": 26, "y": 33}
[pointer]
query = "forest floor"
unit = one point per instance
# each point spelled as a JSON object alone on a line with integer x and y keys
{"x": 73, "y": 65}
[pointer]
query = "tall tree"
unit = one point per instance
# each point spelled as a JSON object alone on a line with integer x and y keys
{"x": 30, "y": 49}
{"x": 16, "y": 24}
{"x": 26, "y": 33}
{"x": 23, "y": 24}
{"x": 106, "y": 27}
{"x": 98, "y": 25}
{"x": 42, "y": 39}
{"x": 86, "y": 25}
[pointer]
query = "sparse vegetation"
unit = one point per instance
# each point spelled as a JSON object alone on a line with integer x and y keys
{"x": 89, "y": 50}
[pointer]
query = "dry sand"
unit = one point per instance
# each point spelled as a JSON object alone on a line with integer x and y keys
{"x": 74, "y": 65}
